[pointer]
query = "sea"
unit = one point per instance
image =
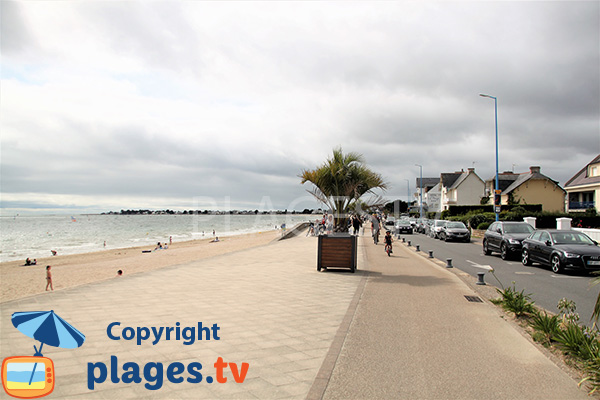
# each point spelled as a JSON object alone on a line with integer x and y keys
{"x": 36, "y": 236}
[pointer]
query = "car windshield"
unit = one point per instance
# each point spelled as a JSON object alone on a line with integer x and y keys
{"x": 571, "y": 238}
{"x": 439, "y": 223}
{"x": 518, "y": 228}
{"x": 456, "y": 225}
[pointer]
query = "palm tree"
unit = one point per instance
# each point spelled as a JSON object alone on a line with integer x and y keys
{"x": 340, "y": 182}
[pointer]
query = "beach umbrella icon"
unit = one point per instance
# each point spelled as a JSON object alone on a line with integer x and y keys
{"x": 48, "y": 328}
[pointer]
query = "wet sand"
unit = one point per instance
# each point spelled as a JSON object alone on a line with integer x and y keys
{"x": 18, "y": 281}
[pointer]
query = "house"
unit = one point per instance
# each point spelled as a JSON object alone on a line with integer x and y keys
{"x": 427, "y": 184}
{"x": 584, "y": 188}
{"x": 461, "y": 188}
{"x": 531, "y": 187}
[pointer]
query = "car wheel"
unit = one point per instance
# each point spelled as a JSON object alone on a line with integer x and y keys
{"x": 486, "y": 249}
{"x": 504, "y": 251}
{"x": 555, "y": 264}
{"x": 525, "y": 257}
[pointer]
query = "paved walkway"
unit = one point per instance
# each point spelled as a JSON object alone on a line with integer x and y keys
{"x": 401, "y": 330}
{"x": 415, "y": 336}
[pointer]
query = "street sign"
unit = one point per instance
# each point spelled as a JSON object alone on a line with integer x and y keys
{"x": 497, "y": 209}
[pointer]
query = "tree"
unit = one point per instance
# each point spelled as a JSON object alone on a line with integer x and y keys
{"x": 340, "y": 182}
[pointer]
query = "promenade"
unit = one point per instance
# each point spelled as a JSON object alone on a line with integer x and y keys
{"x": 398, "y": 328}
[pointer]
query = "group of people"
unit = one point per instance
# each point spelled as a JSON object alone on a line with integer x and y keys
{"x": 376, "y": 228}
{"x": 326, "y": 225}
{"x": 29, "y": 262}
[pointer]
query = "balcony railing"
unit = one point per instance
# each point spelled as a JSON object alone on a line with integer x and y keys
{"x": 581, "y": 205}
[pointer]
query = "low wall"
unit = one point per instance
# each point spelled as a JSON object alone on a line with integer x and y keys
{"x": 593, "y": 233}
{"x": 289, "y": 233}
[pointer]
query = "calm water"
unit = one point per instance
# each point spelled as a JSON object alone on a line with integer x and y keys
{"x": 35, "y": 236}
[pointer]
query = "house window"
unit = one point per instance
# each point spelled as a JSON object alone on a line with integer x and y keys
{"x": 594, "y": 170}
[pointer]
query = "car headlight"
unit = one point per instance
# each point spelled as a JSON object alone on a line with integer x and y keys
{"x": 571, "y": 255}
{"x": 514, "y": 241}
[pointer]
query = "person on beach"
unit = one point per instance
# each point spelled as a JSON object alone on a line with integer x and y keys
{"x": 28, "y": 261}
{"x": 214, "y": 240}
{"x": 49, "y": 278}
{"x": 170, "y": 240}
{"x": 53, "y": 252}
{"x": 120, "y": 273}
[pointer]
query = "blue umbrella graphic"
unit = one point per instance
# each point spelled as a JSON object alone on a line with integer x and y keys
{"x": 48, "y": 328}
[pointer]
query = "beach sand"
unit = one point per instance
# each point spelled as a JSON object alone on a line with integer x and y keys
{"x": 18, "y": 281}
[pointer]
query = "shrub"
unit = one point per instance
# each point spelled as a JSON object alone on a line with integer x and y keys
{"x": 547, "y": 325}
{"x": 483, "y": 226}
{"x": 516, "y": 302}
{"x": 574, "y": 340}
{"x": 592, "y": 367}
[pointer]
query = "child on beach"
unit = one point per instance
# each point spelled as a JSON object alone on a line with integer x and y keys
{"x": 49, "y": 278}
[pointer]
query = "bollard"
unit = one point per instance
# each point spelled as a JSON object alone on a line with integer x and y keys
{"x": 398, "y": 237}
{"x": 409, "y": 243}
{"x": 430, "y": 253}
{"x": 480, "y": 275}
{"x": 403, "y": 240}
{"x": 418, "y": 247}
{"x": 448, "y": 263}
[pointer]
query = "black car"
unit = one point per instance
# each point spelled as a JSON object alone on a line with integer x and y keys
{"x": 505, "y": 237}
{"x": 455, "y": 230}
{"x": 561, "y": 249}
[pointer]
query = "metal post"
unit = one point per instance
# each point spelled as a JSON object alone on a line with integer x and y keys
{"x": 496, "y": 120}
{"x": 449, "y": 263}
{"x": 430, "y": 253}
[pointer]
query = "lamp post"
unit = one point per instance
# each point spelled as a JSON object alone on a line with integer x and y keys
{"x": 407, "y": 194}
{"x": 420, "y": 190}
{"x": 497, "y": 191}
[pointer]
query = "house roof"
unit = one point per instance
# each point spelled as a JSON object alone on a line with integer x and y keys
{"x": 533, "y": 174}
{"x": 448, "y": 179}
{"x": 505, "y": 179}
{"x": 428, "y": 183}
{"x": 453, "y": 180}
{"x": 581, "y": 177}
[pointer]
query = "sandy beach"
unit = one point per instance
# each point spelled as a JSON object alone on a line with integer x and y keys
{"x": 18, "y": 281}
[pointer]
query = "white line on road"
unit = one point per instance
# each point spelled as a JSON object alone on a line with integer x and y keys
{"x": 488, "y": 267}
{"x": 524, "y": 273}
{"x": 566, "y": 277}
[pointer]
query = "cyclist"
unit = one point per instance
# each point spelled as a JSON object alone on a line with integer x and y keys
{"x": 388, "y": 242}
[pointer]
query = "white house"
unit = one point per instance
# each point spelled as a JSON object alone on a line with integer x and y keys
{"x": 461, "y": 188}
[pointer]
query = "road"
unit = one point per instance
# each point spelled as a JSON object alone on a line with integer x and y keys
{"x": 546, "y": 288}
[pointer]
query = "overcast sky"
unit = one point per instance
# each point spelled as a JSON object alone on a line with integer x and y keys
{"x": 109, "y": 105}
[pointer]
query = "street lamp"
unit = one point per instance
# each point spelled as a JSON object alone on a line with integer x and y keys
{"x": 407, "y": 194}
{"x": 497, "y": 191}
{"x": 420, "y": 191}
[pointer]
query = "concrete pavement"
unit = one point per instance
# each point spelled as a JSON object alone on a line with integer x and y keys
{"x": 401, "y": 330}
{"x": 416, "y": 336}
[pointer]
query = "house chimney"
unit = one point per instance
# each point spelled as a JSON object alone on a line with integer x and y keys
{"x": 534, "y": 169}
{"x": 471, "y": 169}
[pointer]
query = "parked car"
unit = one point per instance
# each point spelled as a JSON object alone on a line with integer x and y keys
{"x": 436, "y": 228}
{"x": 505, "y": 237}
{"x": 389, "y": 222}
{"x": 455, "y": 230}
{"x": 561, "y": 249}
{"x": 403, "y": 226}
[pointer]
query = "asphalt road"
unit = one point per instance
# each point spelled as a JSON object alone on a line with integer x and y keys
{"x": 546, "y": 288}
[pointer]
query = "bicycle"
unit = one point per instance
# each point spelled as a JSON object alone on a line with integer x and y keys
{"x": 388, "y": 249}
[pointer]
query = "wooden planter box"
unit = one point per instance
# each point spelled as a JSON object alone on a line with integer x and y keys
{"x": 337, "y": 251}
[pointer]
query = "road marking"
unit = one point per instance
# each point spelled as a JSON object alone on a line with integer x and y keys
{"x": 524, "y": 273}
{"x": 488, "y": 267}
{"x": 566, "y": 277}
